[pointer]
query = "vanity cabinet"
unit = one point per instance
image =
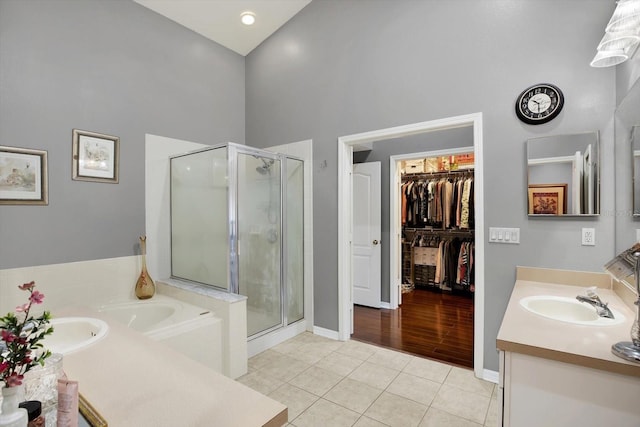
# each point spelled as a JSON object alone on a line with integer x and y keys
{"x": 540, "y": 392}
{"x": 562, "y": 373}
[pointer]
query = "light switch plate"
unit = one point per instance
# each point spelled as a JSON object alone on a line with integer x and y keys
{"x": 504, "y": 235}
{"x": 637, "y": 234}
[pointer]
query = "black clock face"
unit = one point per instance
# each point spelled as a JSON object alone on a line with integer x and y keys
{"x": 539, "y": 104}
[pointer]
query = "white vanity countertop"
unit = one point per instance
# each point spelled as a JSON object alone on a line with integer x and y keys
{"x": 132, "y": 380}
{"x": 528, "y": 333}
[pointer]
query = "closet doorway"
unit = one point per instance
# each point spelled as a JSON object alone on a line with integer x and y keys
{"x": 433, "y": 198}
{"x": 346, "y": 146}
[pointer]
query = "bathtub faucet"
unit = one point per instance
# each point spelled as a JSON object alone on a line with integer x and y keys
{"x": 592, "y": 298}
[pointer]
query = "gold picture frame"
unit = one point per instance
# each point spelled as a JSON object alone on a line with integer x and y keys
{"x": 95, "y": 157}
{"x": 23, "y": 176}
{"x": 547, "y": 199}
{"x": 93, "y": 418}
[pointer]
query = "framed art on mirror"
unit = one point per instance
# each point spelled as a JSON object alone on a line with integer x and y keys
{"x": 547, "y": 199}
{"x": 23, "y": 176}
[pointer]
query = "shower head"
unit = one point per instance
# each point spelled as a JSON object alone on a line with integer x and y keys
{"x": 266, "y": 167}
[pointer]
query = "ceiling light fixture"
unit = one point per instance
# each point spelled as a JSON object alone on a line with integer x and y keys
{"x": 248, "y": 18}
{"x": 621, "y": 37}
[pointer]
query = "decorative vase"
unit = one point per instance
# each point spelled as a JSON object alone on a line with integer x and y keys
{"x": 145, "y": 288}
{"x": 12, "y": 415}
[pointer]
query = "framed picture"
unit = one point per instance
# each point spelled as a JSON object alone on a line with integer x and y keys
{"x": 23, "y": 177}
{"x": 95, "y": 157}
{"x": 547, "y": 199}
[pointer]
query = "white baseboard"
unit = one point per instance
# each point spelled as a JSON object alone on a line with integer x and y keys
{"x": 384, "y": 304}
{"x": 327, "y": 333}
{"x": 492, "y": 376}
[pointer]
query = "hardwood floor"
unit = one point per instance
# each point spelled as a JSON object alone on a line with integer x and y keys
{"x": 431, "y": 324}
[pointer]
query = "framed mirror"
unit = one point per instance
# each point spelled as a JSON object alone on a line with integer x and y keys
{"x": 88, "y": 416}
{"x": 635, "y": 155}
{"x": 563, "y": 175}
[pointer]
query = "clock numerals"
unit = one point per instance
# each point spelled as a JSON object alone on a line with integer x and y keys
{"x": 539, "y": 104}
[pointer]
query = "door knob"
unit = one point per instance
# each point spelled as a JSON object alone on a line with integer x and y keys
{"x": 375, "y": 242}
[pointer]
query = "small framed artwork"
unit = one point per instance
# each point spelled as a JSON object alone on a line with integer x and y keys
{"x": 95, "y": 157}
{"x": 23, "y": 176}
{"x": 547, "y": 199}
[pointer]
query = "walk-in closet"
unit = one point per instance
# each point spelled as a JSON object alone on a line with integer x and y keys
{"x": 435, "y": 317}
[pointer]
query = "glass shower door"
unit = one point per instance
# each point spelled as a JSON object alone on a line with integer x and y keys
{"x": 259, "y": 240}
{"x": 294, "y": 239}
{"x": 199, "y": 217}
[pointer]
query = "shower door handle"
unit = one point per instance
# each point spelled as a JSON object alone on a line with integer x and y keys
{"x": 375, "y": 242}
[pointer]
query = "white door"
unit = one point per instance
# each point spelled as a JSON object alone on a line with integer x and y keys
{"x": 366, "y": 242}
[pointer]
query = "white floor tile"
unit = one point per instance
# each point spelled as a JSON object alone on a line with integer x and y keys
{"x": 415, "y": 388}
{"x": 368, "y": 422}
{"x": 368, "y": 386}
{"x": 357, "y": 349}
{"x": 316, "y": 380}
{"x": 339, "y": 363}
{"x": 429, "y": 369}
{"x": 437, "y": 418}
{"x": 326, "y": 414}
{"x": 462, "y": 403}
{"x": 354, "y": 395}
{"x": 465, "y": 379}
{"x": 259, "y": 381}
{"x": 396, "y": 411}
{"x": 295, "y": 399}
{"x": 375, "y": 375}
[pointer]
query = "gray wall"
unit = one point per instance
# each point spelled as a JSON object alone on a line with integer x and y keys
{"x": 382, "y": 151}
{"x": 343, "y": 67}
{"x": 112, "y": 67}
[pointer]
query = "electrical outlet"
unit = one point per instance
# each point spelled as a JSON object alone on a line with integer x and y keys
{"x": 588, "y": 237}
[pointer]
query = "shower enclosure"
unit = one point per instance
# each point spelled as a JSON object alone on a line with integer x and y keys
{"x": 237, "y": 225}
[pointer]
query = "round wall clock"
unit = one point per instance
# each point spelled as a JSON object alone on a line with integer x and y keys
{"x": 539, "y": 103}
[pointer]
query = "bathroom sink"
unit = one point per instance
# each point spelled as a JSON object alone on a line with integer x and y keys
{"x": 72, "y": 334}
{"x": 568, "y": 310}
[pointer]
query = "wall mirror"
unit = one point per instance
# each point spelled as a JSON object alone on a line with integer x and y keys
{"x": 564, "y": 175}
{"x": 627, "y": 173}
{"x": 635, "y": 149}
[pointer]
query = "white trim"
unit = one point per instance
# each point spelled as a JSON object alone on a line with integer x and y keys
{"x": 327, "y": 333}
{"x": 435, "y": 153}
{"x": 550, "y": 160}
{"x": 491, "y": 376}
{"x": 384, "y": 304}
{"x": 265, "y": 342}
{"x": 395, "y": 226}
{"x": 345, "y": 160}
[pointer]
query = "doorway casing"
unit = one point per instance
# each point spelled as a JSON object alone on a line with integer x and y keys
{"x": 346, "y": 145}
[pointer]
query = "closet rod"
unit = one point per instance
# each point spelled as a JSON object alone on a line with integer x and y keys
{"x": 439, "y": 231}
{"x": 426, "y": 175}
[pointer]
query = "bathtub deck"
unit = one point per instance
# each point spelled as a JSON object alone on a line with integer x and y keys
{"x": 132, "y": 380}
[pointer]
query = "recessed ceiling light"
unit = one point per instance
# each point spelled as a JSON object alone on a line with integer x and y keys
{"x": 248, "y": 18}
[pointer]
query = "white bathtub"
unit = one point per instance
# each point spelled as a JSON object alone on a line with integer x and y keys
{"x": 191, "y": 330}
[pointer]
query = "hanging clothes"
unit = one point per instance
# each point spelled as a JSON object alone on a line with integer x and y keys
{"x": 438, "y": 204}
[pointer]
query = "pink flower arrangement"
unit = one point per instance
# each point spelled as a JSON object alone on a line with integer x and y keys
{"x": 20, "y": 336}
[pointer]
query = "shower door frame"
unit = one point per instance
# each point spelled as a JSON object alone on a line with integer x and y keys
{"x": 234, "y": 285}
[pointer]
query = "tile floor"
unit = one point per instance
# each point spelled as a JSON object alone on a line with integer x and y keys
{"x": 332, "y": 383}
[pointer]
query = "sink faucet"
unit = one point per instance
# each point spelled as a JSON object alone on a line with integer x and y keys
{"x": 592, "y": 298}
